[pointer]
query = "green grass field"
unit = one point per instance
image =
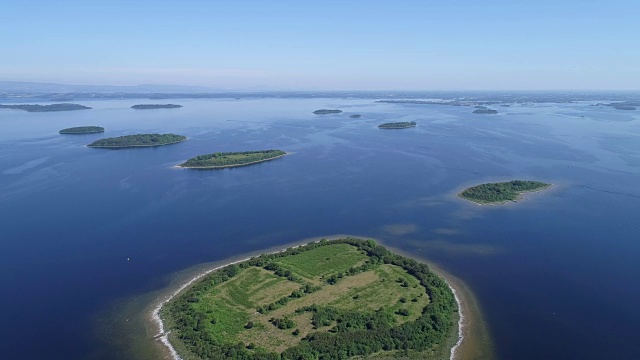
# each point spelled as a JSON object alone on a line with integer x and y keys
{"x": 234, "y": 310}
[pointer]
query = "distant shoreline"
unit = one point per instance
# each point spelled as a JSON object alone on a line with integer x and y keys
{"x": 230, "y": 166}
{"x": 162, "y": 336}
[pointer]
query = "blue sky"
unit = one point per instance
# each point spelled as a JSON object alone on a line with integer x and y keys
{"x": 427, "y": 45}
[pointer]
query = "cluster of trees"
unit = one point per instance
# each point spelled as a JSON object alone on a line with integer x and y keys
{"x": 485, "y": 111}
{"x": 397, "y": 125}
{"x": 155, "y": 106}
{"x": 138, "y": 140}
{"x": 355, "y": 333}
{"x": 327, "y": 111}
{"x": 82, "y": 130}
{"x": 499, "y": 192}
{"x": 284, "y": 323}
{"x": 45, "y": 108}
{"x": 231, "y": 158}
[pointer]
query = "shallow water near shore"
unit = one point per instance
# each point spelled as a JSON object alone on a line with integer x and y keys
{"x": 85, "y": 231}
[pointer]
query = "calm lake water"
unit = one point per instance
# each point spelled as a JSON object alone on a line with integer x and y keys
{"x": 556, "y": 275}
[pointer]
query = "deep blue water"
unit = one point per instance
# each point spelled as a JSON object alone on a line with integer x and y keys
{"x": 556, "y": 275}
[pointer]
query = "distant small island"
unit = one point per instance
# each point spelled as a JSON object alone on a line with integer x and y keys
{"x": 397, "y": 125}
{"x": 485, "y": 111}
{"x": 140, "y": 140}
{"x": 502, "y": 192}
{"x": 355, "y": 116}
{"x": 45, "y": 108}
{"x": 222, "y": 160}
{"x": 82, "y": 130}
{"x": 327, "y": 111}
{"x": 155, "y": 106}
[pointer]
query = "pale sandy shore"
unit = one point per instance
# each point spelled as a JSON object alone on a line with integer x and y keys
{"x": 473, "y": 342}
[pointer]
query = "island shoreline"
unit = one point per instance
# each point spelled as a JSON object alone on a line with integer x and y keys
{"x": 133, "y": 146}
{"x": 229, "y": 166}
{"x": 161, "y": 336}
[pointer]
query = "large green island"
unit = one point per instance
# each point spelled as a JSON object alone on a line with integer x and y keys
{"x": 45, "y": 108}
{"x": 221, "y": 160}
{"x": 139, "y": 140}
{"x": 82, "y": 130}
{"x": 325, "y": 300}
{"x": 155, "y": 106}
{"x": 502, "y": 192}
{"x": 398, "y": 125}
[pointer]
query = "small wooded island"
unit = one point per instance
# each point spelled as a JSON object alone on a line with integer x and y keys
{"x": 325, "y": 300}
{"x": 327, "y": 111}
{"x": 82, "y": 130}
{"x": 139, "y": 140}
{"x": 222, "y": 160}
{"x": 155, "y": 106}
{"x": 485, "y": 111}
{"x": 502, "y": 192}
{"x": 46, "y": 108}
{"x": 355, "y": 116}
{"x": 397, "y": 125}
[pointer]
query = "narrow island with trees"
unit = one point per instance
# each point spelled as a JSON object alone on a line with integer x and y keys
{"x": 139, "y": 140}
{"x": 333, "y": 299}
{"x": 45, "y": 108}
{"x": 502, "y": 192}
{"x": 484, "y": 110}
{"x": 155, "y": 106}
{"x": 82, "y": 130}
{"x": 397, "y": 125}
{"x": 327, "y": 111}
{"x": 221, "y": 160}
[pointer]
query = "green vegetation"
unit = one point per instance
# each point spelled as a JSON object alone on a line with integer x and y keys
{"x": 492, "y": 193}
{"x": 155, "y": 106}
{"x": 141, "y": 140}
{"x": 45, "y": 108}
{"x": 229, "y": 159}
{"x": 485, "y": 111}
{"x": 397, "y": 125}
{"x": 327, "y": 111}
{"x": 82, "y": 130}
{"x": 324, "y": 300}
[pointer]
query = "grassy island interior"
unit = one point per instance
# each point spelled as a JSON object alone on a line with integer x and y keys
{"x": 138, "y": 140}
{"x": 501, "y": 192}
{"x": 325, "y": 300}
{"x": 228, "y": 159}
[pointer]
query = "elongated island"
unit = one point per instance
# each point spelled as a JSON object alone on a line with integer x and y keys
{"x": 397, "y": 125}
{"x": 155, "y": 106}
{"x": 501, "y": 192}
{"x": 221, "y": 160}
{"x": 327, "y": 111}
{"x": 45, "y": 108}
{"x": 82, "y": 130}
{"x": 325, "y": 300}
{"x": 139, "y": 140}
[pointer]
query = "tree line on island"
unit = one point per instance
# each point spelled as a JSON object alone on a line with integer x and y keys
{"x": 500, "y": 192}
{"x": 138, "y": 140}
{"x": 397, "y": 125}
{"x": 228, "y": 159}
{"x": 357, "y": 332}
{"x": 82, "y": 130}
